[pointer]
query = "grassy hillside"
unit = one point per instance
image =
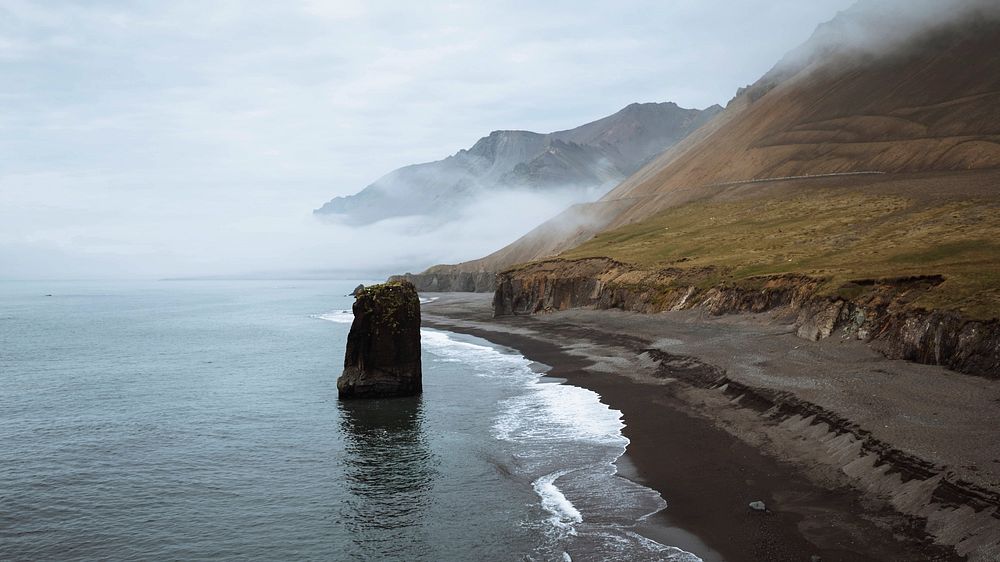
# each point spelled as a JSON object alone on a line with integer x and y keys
{"x": 940, "y": 225}
{"x": 929, "y": 104}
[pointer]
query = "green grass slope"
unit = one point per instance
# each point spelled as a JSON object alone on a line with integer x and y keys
{"x": 838, "y": 230}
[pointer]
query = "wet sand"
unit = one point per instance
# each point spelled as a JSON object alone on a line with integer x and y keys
{"x": 710, "y": 457}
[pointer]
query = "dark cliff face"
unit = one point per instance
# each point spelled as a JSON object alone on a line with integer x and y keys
{"x": 450, "y": 282}
{"x": 383, "y": 347}
{"x": 874, "y": 311}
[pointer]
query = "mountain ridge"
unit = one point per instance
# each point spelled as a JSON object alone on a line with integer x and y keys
{"x": 588, "y": 158}
{"x": 852, "y": 194}
{"x": 822, "y": 109}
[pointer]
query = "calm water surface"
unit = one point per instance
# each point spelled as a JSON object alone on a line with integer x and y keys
{"x": 178, "y": 420}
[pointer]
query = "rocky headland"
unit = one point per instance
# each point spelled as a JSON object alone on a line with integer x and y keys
{"x": 441, "y": 279}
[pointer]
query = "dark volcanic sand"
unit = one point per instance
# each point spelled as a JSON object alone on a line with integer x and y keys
{"x": 707, "y": 476}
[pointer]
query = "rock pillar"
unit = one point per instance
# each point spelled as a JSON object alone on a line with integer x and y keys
{"x": 383, "y": 347}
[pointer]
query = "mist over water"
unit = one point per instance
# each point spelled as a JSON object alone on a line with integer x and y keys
{"x": 181, "y": 139}
{"x": 240, "y": 240}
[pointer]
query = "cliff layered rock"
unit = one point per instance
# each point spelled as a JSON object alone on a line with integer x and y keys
{"x": 876, "y": 311}
{"x": 383, "y": 347}
{"x": 449, "y": 281}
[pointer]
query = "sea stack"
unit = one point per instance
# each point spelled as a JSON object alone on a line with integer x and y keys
{"x": 383, "y": 347}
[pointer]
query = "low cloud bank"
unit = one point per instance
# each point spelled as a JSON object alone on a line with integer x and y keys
{"x": 883, "y": 27}
{"x": 64, "y": 233}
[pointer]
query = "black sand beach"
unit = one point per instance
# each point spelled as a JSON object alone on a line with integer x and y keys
{"x": 710, "y": 455}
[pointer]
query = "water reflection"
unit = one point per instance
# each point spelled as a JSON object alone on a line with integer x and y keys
{"x": 389, "y": 470}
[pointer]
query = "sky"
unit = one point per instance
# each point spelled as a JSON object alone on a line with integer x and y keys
{"x": 150, "y": 139}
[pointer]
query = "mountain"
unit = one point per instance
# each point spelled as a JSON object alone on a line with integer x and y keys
{"x": 852, "y": 193}
{"x": 856, "y": 182}
{"x": 868, "y": 96}
{"x": 592, "y": 157}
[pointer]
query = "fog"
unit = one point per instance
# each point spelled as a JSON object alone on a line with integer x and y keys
{"x": 882, "y": 27}
{"x": 188, "y": 139}
{"x": 164, "y": 232}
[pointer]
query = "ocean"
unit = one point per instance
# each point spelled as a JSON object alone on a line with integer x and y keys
{"x": 199, "y": 419}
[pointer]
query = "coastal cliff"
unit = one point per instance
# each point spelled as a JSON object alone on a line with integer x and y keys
{"x": 383, "y": 347}
{"x": 917, "y": 441}
{"x": 877, "y": 311}
{"x": 432, "y": 281}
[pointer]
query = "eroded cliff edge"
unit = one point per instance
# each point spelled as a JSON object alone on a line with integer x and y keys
{"x": 440, "y": 280}
{"x": 877, "y": 311}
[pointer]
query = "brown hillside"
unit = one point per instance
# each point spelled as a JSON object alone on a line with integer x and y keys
{"x": 931, "y": 104}
{"x": 928, "y": 101}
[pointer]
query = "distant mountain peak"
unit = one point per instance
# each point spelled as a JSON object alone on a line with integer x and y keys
{"x": 597, "y": 154}
{"x": 649, "y": 105}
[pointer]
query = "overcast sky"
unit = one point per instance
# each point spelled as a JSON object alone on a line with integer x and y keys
{"x": 180, "y": 138}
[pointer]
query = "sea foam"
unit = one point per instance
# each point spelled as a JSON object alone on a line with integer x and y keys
{"x": 564, "y": 513}
{"x": 338, "y": 316}
{"x": 565, "y": 441}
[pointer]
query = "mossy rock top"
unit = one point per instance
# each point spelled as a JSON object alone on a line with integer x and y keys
{"x": 390, "y": 301}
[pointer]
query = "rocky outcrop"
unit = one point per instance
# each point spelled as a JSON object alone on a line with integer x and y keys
{"x": 877, "y": 311}
{"x": 449, "y": 282}
{"x": 383, "y": 346}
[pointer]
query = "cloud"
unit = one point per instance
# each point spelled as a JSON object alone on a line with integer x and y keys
{"x": 185, "y": 137}
{"x": 876, "y": 27}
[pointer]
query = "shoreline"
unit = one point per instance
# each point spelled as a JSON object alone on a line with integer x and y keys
{"x": 651, "y": 525}
{"x": 708, "y": 492}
